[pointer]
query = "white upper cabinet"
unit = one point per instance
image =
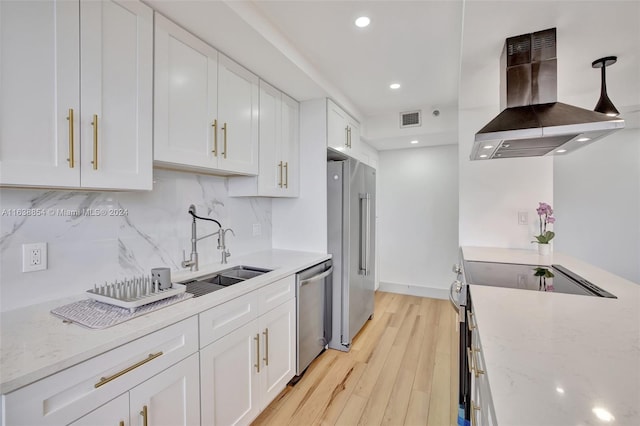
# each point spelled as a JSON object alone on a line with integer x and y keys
{"x": 279, "y": 148}
{"x": 116, "y": 92}
{"x": 343, "y": 133}
{"x": 206, "y": 106}
{"x": 45, "y": 139}
{"x": 186, "y": 97}
{"x": 39, "y": 75}
{"x": 290, "y": 146}
{"x": 337, "y": 127}
{"x": 238, "y": 104}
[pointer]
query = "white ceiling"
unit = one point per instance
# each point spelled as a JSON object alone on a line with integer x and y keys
{"x": 414, "y": 43}
{"x": 311, "y": 49}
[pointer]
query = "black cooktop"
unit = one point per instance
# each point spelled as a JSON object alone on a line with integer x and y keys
{"x": 554, "y": 278}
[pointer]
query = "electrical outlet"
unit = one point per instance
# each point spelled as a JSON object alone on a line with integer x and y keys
{"x": 257, "y": 230}
{"x": 523, "y": 218}
{"x": 34, "y": 257}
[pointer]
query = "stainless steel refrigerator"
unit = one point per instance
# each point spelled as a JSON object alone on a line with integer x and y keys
{"x": 351, "y": 192}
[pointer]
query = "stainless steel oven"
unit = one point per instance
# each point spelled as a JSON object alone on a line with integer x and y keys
{"x": 459, "y": 298}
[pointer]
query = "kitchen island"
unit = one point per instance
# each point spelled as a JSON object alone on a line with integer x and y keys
{"x": 559, "y": 359}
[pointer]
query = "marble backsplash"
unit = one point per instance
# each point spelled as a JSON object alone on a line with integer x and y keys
{"x": 131, "y": 233}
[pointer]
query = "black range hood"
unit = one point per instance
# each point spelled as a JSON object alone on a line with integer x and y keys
{"x": 533, "y": 123}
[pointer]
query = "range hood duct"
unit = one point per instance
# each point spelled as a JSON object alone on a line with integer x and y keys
{"x": 533, "y": 123}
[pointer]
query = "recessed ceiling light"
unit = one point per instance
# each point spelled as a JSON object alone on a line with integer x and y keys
{"x": 560, "y": 151}
{"x": 559, "y": 390}
{"x": 484, "y": 156}
{"x": 583, "y": 139}
{"x": 603, "y": 414}
{"x": 414, "y": 142}
{"x": 394, "y": 86}
{"x": 363, "y": 21}
{"x": 487, "y": 146}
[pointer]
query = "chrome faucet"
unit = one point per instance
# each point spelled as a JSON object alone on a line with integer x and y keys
{"x": 192, "y": 263}
{"x": 221, "y": 243}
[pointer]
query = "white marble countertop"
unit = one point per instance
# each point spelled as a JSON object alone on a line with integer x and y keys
{"x": 557, "y": 359}
{"x": 35, "y": 344}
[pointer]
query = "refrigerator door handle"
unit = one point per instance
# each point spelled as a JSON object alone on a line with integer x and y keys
{"x": 367, "y": 269}
{"x": 365, "y": 233}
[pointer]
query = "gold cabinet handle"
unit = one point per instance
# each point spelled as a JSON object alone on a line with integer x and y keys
{"x": 471, "y": 324}
{"x": 286, "y": 174}
{"x": 476, "y": 362}
{"x": 224, "y": 130}
{"x": 105, "y": 380}
{"x": 349, "y": 137}
{"x": 215, "y": 137}
{"x": 71, "y": 158}
{"x": 474, "y": 408}
{"x": 94, "y": 123}
{"x": 469, "y": 360}
{"x": 257, "y": 364}
{"x": 266, "y": 346}
{"x": 346, "y": 136}
{"x": 280, "y": 168}
{"x": 145, "y": 416}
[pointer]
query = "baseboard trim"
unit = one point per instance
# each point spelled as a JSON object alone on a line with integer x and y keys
{"x": 414, "y": 290}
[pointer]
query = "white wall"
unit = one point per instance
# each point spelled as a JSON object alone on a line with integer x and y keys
{"x": 301, "y": 223}
{"x": 493, "y": 192}
{"x": 85, "y": 250}
{"x": 418, "y": 219}
{"x": 597, "y": 196}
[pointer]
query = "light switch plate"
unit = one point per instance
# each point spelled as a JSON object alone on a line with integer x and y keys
{"x": 257, "y": 230}
{"x": 34, "y": 257}
{"x": 523, "y": 218}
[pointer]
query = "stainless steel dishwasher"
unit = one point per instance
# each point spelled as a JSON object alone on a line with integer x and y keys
{"x": 313, "y": 309}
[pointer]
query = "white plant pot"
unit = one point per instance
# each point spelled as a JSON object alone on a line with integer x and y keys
{"x": 544, "y": 249}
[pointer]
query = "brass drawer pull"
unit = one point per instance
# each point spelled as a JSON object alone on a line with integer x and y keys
{"x": 215, "y": 137}
{"x": 474, "y": 408}
{"x": 94, "y": 123}
{"x": 145, "y": 416}
{"x": 71, "y": 158}
{"x": 471, "y": 324}
{"x": 257, "y": 364}
{"x": 286, "y": 175}
{"x": 105, "y": 380}
{"x": 266, "y": 346}
{"x": 224, "y": 130}
{"x": 470, "y": 361}
{"x": 476, "y": 360}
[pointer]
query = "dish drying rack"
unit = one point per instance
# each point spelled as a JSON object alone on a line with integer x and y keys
{"x": 133, "y": 293}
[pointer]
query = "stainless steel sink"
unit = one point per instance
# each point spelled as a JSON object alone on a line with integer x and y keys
{"x": 243, "y": 272}
{"x": 212, "y": 282}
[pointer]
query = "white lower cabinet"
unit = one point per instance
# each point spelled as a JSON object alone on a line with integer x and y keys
{"x": 99, "y": 383}
{"x": 115, "y": 412}
{"x": 482, "y": 410}
{"x": 246, "y": 358}
{"x": 243, "y": 371}
{"x": 278, "y": 331}
{"x": 171, "y": 398}
{"x": 229, "y": 378}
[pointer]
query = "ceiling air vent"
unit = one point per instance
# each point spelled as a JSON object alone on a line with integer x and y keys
{"x": 410, "y": 119}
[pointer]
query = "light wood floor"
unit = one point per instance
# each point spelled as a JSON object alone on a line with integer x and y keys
{"x": 401, "y": 370}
